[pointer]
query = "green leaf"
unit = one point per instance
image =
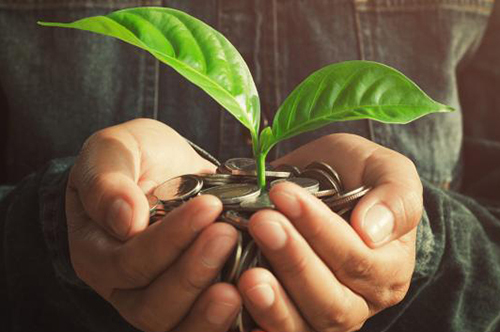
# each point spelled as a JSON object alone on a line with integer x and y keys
{"x": 194, "y": 49}
{"x": 350, "y": 90}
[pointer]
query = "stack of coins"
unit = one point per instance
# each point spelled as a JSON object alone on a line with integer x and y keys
{"x": 235, "y": 184}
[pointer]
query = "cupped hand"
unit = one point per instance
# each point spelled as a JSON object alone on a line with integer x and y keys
{"x": 160, "y": 277}
{"x": 329, "y": 275}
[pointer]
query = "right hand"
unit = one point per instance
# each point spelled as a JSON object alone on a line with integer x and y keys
{"x": 159, "y": 278}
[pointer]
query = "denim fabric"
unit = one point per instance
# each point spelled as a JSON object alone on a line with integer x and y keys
{"x": 62, "y": 85}
{"x": 58, "y": 86}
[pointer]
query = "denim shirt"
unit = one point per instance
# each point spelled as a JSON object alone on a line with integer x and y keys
{"x": 58, "y": 86}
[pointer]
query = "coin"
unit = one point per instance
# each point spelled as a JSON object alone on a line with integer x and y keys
{"x": 310, "y": 185}
{"x": 222, "y": 169}
{"x": 348, "y": 199}
{"x": 248, "y": 167}
{"x": 343, "y": 211}
{"x": 245, "y": 322}
{"x": 179, "y": 188}
{"x": 217, "y": 179}
{"x": 240, "y": 164}
{"x": 261, "y": 202}
{"x": 248, "y": 258}
{"x": 326, "y": 181}
{"x": 328, "y": 169}
{"x": 293, "y": 170}
{"x": 230, "y": 269}
{"x": 233, "y": 193}
{"x": 234, "y": 218}
{"x": 325, "y": 193}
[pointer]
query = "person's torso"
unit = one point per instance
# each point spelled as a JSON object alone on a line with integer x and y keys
{"x": 62, "y": 85}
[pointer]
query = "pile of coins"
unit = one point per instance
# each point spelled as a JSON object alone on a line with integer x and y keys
{"x": 235, "y": 184}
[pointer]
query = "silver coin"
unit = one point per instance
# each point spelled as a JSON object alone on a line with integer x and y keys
{"x": 248, "y": 167}
{"x": 158, "y": 214}
{"x": 248, "y": 258}
{"x": 217, "y": 179}
{"x": 230, "y": 268}
{"x": 222, "y": 169}
{"x": 233, "y": 193}
{"x": 245, "y": 322}
{"x": 326, "y": 193}
{"x": 310, "y": 185}
{"x": 348, "y": 199}
{"x": 235, "y": 219}
{"x": 240, "y": 164}
{"x": 261, "y": 202}
{"x": 325, "y": 180}
{"x": 329, "y": 170}
{"x": 343, "y": 211}
{"x": 168, "y": 206}
{"x": 178, "y": 188}
{"x": 270, "y": 174}
{"x": 293, "y": 170}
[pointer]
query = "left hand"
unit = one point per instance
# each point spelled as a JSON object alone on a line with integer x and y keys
{"x": 334, "y": 276}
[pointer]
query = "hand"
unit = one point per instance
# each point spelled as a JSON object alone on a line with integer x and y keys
{"x": 158, "y": 277}
{"x": 332, "y": 276}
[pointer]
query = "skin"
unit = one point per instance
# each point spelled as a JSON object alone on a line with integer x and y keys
{"x": 327, "y": 275}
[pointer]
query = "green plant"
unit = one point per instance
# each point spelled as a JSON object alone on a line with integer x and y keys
{"x": 344, "y": 91}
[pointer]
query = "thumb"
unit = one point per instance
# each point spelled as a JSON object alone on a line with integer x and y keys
{"x": 393, "y": 207}
{"x": 105, "y": 178}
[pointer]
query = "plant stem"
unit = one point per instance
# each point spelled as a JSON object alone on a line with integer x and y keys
{"x": 261, "y": 170}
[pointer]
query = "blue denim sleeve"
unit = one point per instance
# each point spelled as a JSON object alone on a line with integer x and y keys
{"x": 456, "y": 281}
{"x": 51, "y": 193}
{"x": 42, "y": 292}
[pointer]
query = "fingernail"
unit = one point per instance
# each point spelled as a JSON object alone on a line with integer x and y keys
{"x": 120, "y": 217}
{"x": 271, "y": 234}
{"x": 218, "y": 313}
{"x": 288, "y": 203}
{"x": 378, "y": 223}
{"x": 262, "y": 296}
{"x": 216, "y": 250}
{"x": 201, "y": 218}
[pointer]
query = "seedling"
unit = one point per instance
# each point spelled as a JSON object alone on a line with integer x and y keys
{"x": 350, "y": 90}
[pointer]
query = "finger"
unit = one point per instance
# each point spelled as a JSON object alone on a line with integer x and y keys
{"x": 375, "y": 274}
{"x": 105, "y": 263}
{"x": 268, "y": 302}
{"x": 105, "y": 178}
{"x": 214, "y": 311}
{"x": 394, "y": 206}
{"x": 162, "y": 304}
{"x": 327, "y": 233}
{"x": 388, "y": 212}
{"x": 152, "y": 251}
{"x": 118, "y": 164}
{"x": 323, "y": 300}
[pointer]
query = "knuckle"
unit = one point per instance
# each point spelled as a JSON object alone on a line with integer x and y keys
{"x": 132, "y": 274}
{"x": 294, "y": 267}
{"x": 397, "y": 294}
{"x": 390, "y": 296}
{"x": 361, "y": 267}
{"x": 332, "y": 319}
{"x": 193, "y": 282}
